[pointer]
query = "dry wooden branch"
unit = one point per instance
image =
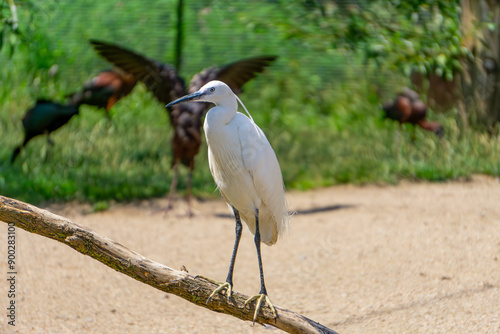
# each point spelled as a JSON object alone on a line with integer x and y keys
{"x": 120, "y": 258}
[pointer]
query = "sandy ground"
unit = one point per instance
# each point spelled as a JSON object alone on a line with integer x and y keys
{"x": 412, "y": 258}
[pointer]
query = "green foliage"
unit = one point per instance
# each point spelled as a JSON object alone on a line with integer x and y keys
{"x": 9, "y": 23}
{"x": 421, "y": 36}
{"x": 319, "y": 108}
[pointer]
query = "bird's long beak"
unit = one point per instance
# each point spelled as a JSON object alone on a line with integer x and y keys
{"x": 190, "y": 97}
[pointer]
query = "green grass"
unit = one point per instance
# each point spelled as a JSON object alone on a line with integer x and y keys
{"x": 97, "y": 160}
{"x": 319, "y": 110}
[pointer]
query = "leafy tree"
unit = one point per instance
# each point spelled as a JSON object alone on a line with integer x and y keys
{"x": 442, "y": 41}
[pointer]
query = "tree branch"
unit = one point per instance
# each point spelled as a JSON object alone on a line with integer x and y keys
{"x": 120, "y": 258}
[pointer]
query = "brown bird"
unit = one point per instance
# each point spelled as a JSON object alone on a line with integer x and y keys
{"x": 166, "y": 85}
{"x": 107, "y": 88}
{"x": 407, "y": 107}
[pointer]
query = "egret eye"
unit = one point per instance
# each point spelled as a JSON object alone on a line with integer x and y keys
{"x": 212, "y": 89}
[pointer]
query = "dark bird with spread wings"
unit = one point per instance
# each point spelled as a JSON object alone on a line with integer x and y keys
{"x": 166, "y": 85}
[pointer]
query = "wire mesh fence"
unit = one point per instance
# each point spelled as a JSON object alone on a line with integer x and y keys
{"x": 214, "y": 32}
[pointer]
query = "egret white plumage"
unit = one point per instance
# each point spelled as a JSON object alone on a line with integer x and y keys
{"x": 247, "y": 173}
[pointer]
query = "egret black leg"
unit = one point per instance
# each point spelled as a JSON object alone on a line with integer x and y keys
{"x": 259, "y": 257}
{"x": 229, "y": 280}
{"x": 238, "y": 230}
{"x": 263, "y": 292}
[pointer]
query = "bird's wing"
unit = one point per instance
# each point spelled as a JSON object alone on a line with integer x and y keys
{"x": 261, "y": 162}
{"x": 161, "y": 79}
{"x": 253, "y": 144}
{"x": 235, "y": 75}
{"x": 216, "y": 171}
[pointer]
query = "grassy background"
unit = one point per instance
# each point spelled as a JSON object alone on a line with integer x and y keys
{"x": 320, "y": 110}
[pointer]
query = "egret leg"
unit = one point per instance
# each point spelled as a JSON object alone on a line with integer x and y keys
{"x": 229, "y": 280}
{"x": 173, "y": 186}
{"x": 262, "y": 295}
{"x": 238, "y": 228}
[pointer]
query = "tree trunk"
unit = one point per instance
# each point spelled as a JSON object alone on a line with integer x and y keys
{"x": 480, "y": 99}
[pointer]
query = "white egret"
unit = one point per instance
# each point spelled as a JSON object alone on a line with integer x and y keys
{"x": 247, "y": 173}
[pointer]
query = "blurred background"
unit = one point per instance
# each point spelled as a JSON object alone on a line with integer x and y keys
{"x": 320, "y": 103}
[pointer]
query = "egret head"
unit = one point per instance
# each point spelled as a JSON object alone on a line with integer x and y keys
{"x": 215, "y": 91}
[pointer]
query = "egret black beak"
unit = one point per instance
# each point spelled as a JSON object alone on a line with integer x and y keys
{"x": 190, "y": 97}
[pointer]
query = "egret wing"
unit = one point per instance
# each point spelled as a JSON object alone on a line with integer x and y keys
{"x": 235, "y": 75}
{"x": 161, "y": 79}
{"x": 261, "y": 162}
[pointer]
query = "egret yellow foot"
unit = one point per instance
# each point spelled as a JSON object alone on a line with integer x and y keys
{"x": 222, "y": 286}
{"x": 260, "y": 297}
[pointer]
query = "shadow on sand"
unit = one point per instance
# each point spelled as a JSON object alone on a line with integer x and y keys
{"x": 311, "y": 211}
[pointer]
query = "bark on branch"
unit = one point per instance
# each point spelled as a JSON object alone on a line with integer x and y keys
{"x": 128, "y": 262}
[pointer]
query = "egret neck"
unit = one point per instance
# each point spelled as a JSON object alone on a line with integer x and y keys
{"x": 223, "y": 112}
